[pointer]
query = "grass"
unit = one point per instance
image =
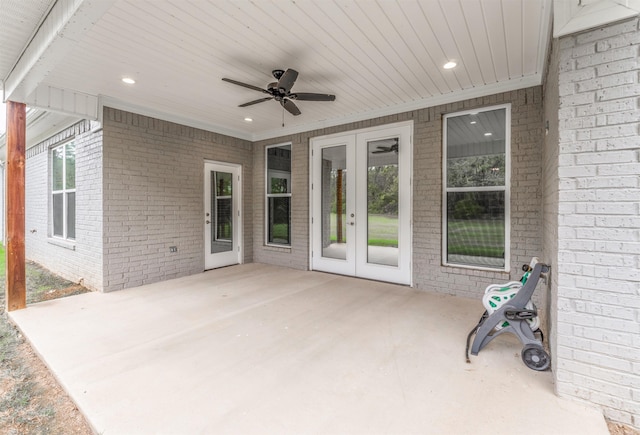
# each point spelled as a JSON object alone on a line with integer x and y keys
{"x": 483, "y": 238}
{"x": 383, "y": 230}
{"x": 24, "y": 408}
{"x": 280, "y": 232}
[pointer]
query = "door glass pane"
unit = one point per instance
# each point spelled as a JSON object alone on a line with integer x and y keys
{"x": 334, "y": 202}
{"x": 382, "y": 202}
{"x": 223, "y": 184}
{"x": 222, "y": 212}
{"x": 224, "y": 223}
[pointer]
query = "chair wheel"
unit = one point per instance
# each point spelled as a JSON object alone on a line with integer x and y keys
{"x": 535, "y": 357}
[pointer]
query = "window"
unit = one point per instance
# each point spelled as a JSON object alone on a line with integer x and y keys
{"x": 476, "y": 188}
{"x": 63, "y": 191}
{"x": 278, "y": 203}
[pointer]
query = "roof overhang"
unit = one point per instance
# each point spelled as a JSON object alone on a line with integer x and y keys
{"x": 573, "y": 16}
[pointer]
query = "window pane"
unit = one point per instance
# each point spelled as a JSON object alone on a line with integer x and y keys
{"x": 279, "y": 184}
{"x": 71, "y": 215}
{"x": 279, "y": 169}
{"x": 70, "y": 160}
{"x": 476, "y": 149}
{"x": 58, "y": 214}
{"x": 279, "y": 228}
{"x": 57, "y": 164}
{"x": 475, "y": 228}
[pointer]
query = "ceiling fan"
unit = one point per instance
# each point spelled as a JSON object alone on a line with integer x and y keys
{"x": 281, "y": 91}
{"x": 387, "y": 149}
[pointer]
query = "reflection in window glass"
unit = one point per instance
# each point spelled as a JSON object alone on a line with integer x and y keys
{"x": 57, "y": 168}
{"x": 475, "y": 184}
{"x": 475, "y": 228}
{"x": 476, "y": 149}
{"x": 70, "y": 165}
{"x": 334, "y": 202}
{"x": 222, "y": 211}
{"x": 278, "y": 195}
{"x": 224, "y": 219}
{"x": 382, "y": 202}
{"x": 279, "y": 221}
{"x": 58, "y": 214}
{"x": 71, "y": 215}
{"x": 223, "y": 184}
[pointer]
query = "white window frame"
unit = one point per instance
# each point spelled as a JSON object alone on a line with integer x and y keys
{"x": 506, "y": 188}
{"x": 64, "y": 191}
{"x": 267, "y": 184}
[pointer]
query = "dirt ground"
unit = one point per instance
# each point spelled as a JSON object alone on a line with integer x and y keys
{"x": 31, "y": 400}
{"x": 618, "y": 429}
{"x": 63, "y": 417}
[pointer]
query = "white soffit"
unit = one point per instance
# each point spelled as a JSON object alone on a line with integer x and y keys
{"x": 62, "y": 28}
{"x": 378, "y": 57}
{"x": 572, "y": 16}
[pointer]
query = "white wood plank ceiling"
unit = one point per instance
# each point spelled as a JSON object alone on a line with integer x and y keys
{"x": 19, "y": 19}
{"x": 378, "y": 57}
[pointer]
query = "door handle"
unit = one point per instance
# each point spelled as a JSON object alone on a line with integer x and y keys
{"x": 208, "y": 222}
{"x": 352, "y": 223}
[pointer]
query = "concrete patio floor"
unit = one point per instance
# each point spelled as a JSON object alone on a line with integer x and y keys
{"x": 256, "y": 349}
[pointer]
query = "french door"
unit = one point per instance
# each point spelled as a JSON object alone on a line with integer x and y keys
{"x": 222, "y": 220}
{"x": 361, "y": 204}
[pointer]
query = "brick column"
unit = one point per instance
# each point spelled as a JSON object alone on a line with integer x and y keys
{"x": 597, "y": 354}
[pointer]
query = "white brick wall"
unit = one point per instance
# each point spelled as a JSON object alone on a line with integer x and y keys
{"x": 80, "y": 260}
{"x": 154, "y": 197}
{"x": 597, "y": 355}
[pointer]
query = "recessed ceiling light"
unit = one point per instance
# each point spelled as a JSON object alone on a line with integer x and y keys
{"x": 488, "y": 134}
{"x": 247, "y": 119}
{"x": 128, "y": 80}
{"x": 473, "y": 122}
{"x": 449, "y": 65}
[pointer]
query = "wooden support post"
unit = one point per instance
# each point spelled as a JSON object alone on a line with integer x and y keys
{"x": 16, "y": 289}
{"x": 339, "y": 206}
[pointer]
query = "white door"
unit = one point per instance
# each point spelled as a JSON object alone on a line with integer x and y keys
{"x": 361, "y": 204}
{"x": 222, "y": 220}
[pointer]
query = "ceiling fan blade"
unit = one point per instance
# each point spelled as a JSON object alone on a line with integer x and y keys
{"x": 287, "y": 80}
{"x": 290, "y": 106}
{"x": 250, "y": 103}
{"x": 244, "y": 85}
{"x": 306, "y": 96}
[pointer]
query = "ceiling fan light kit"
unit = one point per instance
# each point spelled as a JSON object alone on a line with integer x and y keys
{"x": 281, "y": 91}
